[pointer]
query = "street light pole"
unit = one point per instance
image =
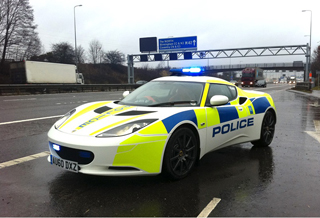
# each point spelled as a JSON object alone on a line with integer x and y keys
{"x": 75, "y": 32}
{"x": 310, "y": 52}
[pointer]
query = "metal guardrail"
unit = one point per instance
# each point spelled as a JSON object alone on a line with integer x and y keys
{"x": 17, "y": 89}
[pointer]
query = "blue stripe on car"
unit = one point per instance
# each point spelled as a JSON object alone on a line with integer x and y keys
{"x": 173, "y": 120}
{"x": 260, "y": 105}
{"x": 227, "y": 113}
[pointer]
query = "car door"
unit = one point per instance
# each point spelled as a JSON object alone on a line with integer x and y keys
{"x": 225, "y": 123}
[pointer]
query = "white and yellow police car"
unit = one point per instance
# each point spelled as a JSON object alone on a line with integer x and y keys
{"x": 164, "y": 126}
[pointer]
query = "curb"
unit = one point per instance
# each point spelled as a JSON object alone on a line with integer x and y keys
{"x": 303, "y": 93}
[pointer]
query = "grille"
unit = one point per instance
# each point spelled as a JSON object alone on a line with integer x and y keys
{"x": 76, "y": 155}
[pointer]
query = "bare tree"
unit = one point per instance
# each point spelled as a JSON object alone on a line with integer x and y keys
{"x": 18, "y": 38}
{"x": 80, "y": 56}
{"x": 114, "y": 57}
{"x": 95, "y": 52}
{"x": 2, "y": 20}
{"x": 161, "y": 65}
{"x": 31, "y": 47}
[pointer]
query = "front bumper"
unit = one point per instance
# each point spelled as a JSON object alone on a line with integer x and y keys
{"x": 133, "y": 154}
{"x": 247, "y": 83}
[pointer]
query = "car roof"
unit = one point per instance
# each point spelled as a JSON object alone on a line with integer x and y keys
{"x": 193, "y": 79}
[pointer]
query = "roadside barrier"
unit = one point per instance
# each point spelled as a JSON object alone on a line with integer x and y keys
{"x": 306, "y": 86}
{"x": 20, "y": 89}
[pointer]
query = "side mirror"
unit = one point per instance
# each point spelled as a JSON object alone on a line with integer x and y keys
{"x": 125, "y": 93}
{"x": 218, "y": 100}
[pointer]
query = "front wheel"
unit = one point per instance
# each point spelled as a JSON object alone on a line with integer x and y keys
{"x": 181, "y": 154}
{"x": 267, "y": 130}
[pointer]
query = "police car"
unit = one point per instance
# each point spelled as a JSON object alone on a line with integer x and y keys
{"x": 164, "y": 126}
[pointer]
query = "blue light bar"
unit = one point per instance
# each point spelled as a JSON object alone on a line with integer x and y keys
{"x": 56, "y": 147}
{"x": 195, "y": 70}
{"x": 192, "y": 70}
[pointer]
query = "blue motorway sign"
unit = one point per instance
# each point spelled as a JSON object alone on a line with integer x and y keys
{"x": 178, "y": 44}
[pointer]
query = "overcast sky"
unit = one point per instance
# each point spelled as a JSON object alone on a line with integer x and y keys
{"x": 218, "y": 24}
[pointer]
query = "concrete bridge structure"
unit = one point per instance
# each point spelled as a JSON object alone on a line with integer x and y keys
{"x": 291, "y": 66}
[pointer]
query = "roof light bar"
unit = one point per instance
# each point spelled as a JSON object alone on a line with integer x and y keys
{"x": 192, "y": 70}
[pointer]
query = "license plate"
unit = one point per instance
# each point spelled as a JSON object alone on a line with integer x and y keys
{"x": 65, "y": 164}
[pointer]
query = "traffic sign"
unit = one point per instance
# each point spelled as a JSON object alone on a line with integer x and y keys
{"x": 178, "y": 44}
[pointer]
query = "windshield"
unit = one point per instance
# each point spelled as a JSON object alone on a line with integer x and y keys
{"x": 166, "y": 93}
{"x": 247, "y": 75}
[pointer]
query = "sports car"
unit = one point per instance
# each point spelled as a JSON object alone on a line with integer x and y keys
{"x": 165, "y": 126}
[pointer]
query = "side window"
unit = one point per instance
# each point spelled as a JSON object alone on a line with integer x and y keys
{"x": 220, "y": 89}
{"x": 233, "y": 91}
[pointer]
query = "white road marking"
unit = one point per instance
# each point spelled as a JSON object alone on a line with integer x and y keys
{"x": 209, "y": 208}
{"x": 78, "y": 102}
{"x": 316, "y": 134}
{"x": 22, "y": 99}
{"x": 23, "y": 159}
{"x": 33, "y": 119}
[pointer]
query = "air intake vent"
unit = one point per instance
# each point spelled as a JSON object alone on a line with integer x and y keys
{"x": 100, "y": 110}
{"x": 123, "y": 168}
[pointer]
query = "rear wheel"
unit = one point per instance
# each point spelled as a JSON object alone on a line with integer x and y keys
{"x": 267, "y": 130}
{"x": 181, "y": 154}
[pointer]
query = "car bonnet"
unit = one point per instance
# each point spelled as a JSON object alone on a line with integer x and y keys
{"x": 93, "y": 119}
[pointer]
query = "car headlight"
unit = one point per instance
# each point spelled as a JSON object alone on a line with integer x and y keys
{"x": 63, "y": 119}
{"x": 127, "y": 128}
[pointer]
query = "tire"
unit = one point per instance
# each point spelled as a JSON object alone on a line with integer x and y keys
{"x": 267, "y": 130}
{"x": 181, "y": 154}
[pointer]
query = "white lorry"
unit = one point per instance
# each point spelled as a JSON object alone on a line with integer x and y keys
{"x": 44, "y": 73}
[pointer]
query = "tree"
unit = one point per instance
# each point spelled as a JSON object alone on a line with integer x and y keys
{"x": 43, "y": 57}
{"x": 114, "y": 57}
{"x": 95, "y": 52}
{"x": 18, "y": 38}
{"x": 63, "y": 53}
{"x": 80, "y": 55}
{"x": 315, "y": 64}
{"x": 32, "y": 47}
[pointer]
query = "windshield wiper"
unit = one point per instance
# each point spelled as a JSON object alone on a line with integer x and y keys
{"x": 171, "y": 103}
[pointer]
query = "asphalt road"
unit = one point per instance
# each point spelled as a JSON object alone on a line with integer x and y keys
{"x": 282, "y": 180}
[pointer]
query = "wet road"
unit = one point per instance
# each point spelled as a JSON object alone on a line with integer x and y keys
{"x": 282, "y": 180}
